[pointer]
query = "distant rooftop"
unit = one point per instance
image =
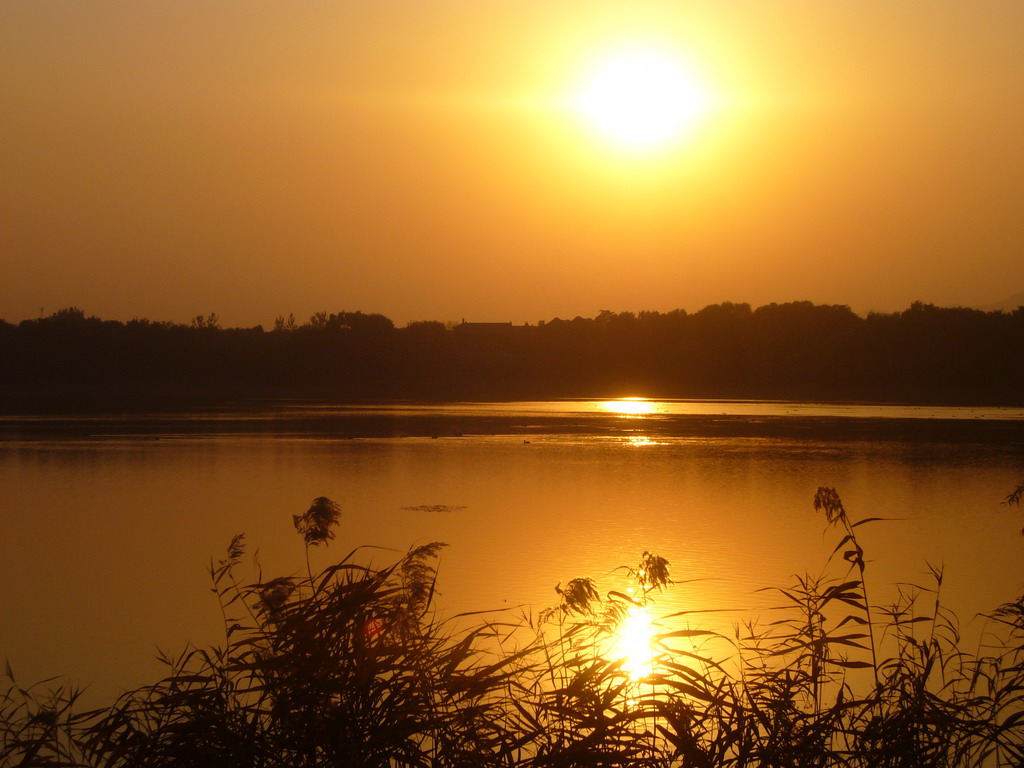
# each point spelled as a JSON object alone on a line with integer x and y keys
{"x": 465, "y": 327}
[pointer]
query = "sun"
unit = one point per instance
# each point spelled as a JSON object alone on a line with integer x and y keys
{"x": 641, "y": 97}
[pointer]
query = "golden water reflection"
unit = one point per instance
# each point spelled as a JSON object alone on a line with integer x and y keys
{"x": 628, "y": 406}
{"x": 633, "y": 644}
{"x": 641, "y": 441}
{"x": 732, "y": 514}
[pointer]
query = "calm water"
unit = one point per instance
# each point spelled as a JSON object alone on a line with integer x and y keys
{"x": 109, "y": 522}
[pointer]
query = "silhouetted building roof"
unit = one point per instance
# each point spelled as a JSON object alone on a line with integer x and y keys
{"x": 484, "y": 328}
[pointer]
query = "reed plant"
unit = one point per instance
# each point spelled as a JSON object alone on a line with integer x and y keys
{"x": 353, "y": 665}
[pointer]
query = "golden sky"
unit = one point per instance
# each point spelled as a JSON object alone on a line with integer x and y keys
{"x": 423, "y": 159}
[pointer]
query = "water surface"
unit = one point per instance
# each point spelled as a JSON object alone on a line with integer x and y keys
{"x": 110, "y": 521}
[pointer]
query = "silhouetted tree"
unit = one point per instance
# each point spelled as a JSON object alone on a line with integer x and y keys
{"x": 210, "y": 321}
{"x": 792, "y": 350}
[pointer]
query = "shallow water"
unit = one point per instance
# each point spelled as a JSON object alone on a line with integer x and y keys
{"x": 110, "y": 522}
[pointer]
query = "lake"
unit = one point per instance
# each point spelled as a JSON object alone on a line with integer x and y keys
{"x": 110, "y": 522}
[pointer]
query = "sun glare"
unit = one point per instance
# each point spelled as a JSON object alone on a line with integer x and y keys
{"x": 640, "y": 441}
{"x": 633, "y": 644}
{"x": 628, "y": 406}
{"x": 641, "y": 98}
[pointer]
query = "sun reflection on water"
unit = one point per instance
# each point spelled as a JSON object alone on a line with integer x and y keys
{"x": 633, "y": 644}
{"x": 640, "y": 441}
{"x": 628, "y": 406}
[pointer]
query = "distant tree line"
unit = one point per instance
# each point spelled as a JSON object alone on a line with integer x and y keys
{"x": 796, "y": 350}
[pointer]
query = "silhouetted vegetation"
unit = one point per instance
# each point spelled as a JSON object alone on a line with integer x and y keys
{"x": 779, "y": 351}
{"x": 352, "y": 666}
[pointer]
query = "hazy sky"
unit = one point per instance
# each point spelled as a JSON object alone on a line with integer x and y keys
{"x": 166, "y": 158}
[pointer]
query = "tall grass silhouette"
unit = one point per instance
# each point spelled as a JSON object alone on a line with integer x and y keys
{"x": 353, "y": 666}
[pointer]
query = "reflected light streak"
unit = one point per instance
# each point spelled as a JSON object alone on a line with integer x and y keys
{"x": 633, "y": 644}
{"x": 628, "y": 406}
{"x": 641, "y": 441}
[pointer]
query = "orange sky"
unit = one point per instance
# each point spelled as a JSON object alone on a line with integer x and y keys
{"x": 255, "y": 158}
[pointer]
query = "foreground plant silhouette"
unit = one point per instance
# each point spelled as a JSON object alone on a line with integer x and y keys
{"x": 351, "y": 666}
